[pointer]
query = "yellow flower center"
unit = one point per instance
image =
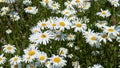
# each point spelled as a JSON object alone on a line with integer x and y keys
{"x": 62, "y": 52}
{"x": 16, "y": 58}
{"x": 54, "y": 5}
{"x": 105, "y": 36}
{"x": 93, "y": 38}
{"x": 43, "y": 36}
{"x": 31, "y": 53}
{"x": 9, "y": 48}
{"x": 77, "y": 0}
{"x": 47, "y": 1}
{"x": 35, "y": 30}
{"x": 57, "y": 60}
{"x": 67, "y": 12}
{"x": 29, "y": 8}
{"x": 69, "y": 2}
{"x": 62, "y": 23}
{"x": 53, "y": 24}
{"x": 0, "y": 58}
{"x": 78, "y": 24}
{"x": 43, "y": 24}
{"x": 104, "y": 12}
{"x": 70, "y": 36}
{"x": 111, "y": 30}
{"x": 42, "y": 58}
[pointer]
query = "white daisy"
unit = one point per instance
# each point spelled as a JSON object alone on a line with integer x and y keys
{"x": 115, "y": 3}
{"x": 101, "y": 24}
{"x": 27, "y": 2}
{"x": 63, "y": 23}
{"x": 2, "y": 59}
{"x": 78, "y": 25}
{"x": 27, "y": 58}
{"x": 63, "y": 52}
{"x": 31, "y": 52}
{"x": 58, "y": 61}
{"x": 15, "y": 60}
{"x": 92, "y": 39}
{"x": 104, "y": 37}
{"x": 42, "y": 57}
{"x": 96, "y": 66}
{"x": 46, "y": 2}
{"x": 76, "y": 64}
{"x": 104, "y": 13}
{"x": 86, "y": 5}
{"x": 31, "y": 10}
{"x": 71, "y": 37}
{"x": 52, "y": 23}
{"x": 111, "y": 30}
{"x": 43, "y": 24}
{"x": 54, "y": 6}
{"x": 14, "y": 16}
{"x": 9, "y": 48}
{"x": 35, "y": 29}
{"x": 8, "y": 31}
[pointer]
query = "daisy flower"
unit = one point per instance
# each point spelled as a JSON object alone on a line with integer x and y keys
{"x": 104, "y": 13}
{"x": 111, "y": 30}
{"x": 92, "y": 39}
{"x": 8, "y": 31}
{"x": 68, "y": 12}
{"x": 46, "y": 2}
{"x": 78, "y": 25}
{"x": 15, "y": 60}
{"x": 52, "y": 23}
{"x": 96, "y": 66}
{"x": 77, "y": 2}
{"x": 4, "y": 11}
{"x": 115, "y": 3}
{"x": 58, "y": 61}
{"x": 14, "y": 16}
{"x": 42, "y": 57}
{"x": 63, "y": 23}
{"x": 31, "y": 10}
{"x": 31, "y": 52}
{"x": 48, "y": 64}
{"x": 27, "y": 2}
{"x": 9, "y": 48}
{"x": 63, "y": 52}
{"x": 70, "y": 44}
{"x": 35, "y": 29}
{"x": 2, "y": 59}
{"x": 43, "y": 24}
{"x": 68, "y": 4}
{"x": 54, "y": 6}
{"x": 86, "y": 5}
{"x": 101, "y": 24}
{"x": 104, "y": 37}
{"x": 76, "y": 64}
{"x": 9, "y": 1}
{"x": 71, "y": 37}
{"x": 59, "y": 36}
{"x": 27, "y": 58}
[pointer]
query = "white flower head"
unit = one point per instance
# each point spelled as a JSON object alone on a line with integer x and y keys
{"x": 15, "y": 60}
{"x": 31, "y": 10}
{"x": 104, "y": 13}
{"x": 2, "y": 59}
{"x": 9, "y": 48}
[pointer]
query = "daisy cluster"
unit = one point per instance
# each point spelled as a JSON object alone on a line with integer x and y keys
{"x": 55, "y": 41}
